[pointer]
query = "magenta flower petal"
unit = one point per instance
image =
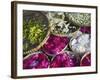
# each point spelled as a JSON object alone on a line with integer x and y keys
{"x": 62, "y": 60}
{"x": 37, "y": 60}
{"x": 55, "y": 44}
{"x": 86, "y": 60}
{"x": 85, "y": 29}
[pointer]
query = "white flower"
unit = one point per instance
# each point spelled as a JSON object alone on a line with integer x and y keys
{"x": 73, "y": 41}
{"x": 81, "y": 43}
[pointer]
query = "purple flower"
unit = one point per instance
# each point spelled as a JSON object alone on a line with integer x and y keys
{"x": 86, "y": 59}
{"x": 62, "y": 60}
{"x": 55, "y": 44}
{"x": 85, "y": 29}
{"x": 36, "y": 60}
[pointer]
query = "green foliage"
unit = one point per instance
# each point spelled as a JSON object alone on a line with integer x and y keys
{"x": 34, "y": 32}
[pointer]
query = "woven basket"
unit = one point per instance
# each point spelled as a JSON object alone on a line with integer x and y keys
{"x": 31, "y": 13}
{"x": 40, "y": 45}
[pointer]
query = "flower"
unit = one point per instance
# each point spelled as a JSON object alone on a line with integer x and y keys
{"x": 63, "y": 60}
{"x": 80, "y": 44}
{"x": 86, "y": 59}
{"x": 35, "y": 61}
{"x": 55, "y": 44}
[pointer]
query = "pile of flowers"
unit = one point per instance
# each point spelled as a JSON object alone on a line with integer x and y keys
{"x": 68, "y": 44}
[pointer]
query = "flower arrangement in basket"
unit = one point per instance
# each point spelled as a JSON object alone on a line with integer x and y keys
{"x": 56, "y": 39}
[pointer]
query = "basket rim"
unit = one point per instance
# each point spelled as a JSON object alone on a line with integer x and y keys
{"x": 85, "y": 54}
